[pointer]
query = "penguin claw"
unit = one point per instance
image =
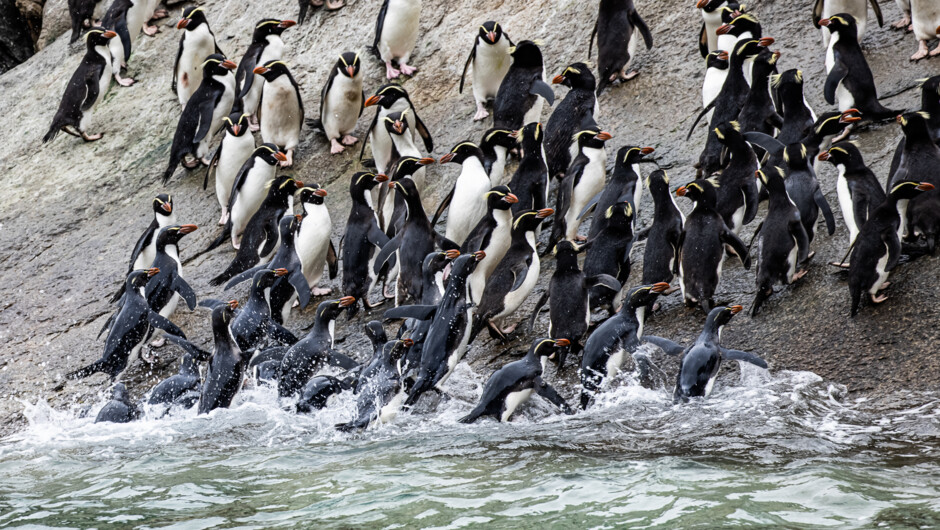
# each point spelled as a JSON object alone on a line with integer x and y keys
{"x": 481, "y": 114}
{"x": 150, "y": 31}
{"x": 921, "y": 51}
{"x": 124, "y": 81}
{"x": 406, "y": 69}
{"x": 336, "y": 147}
{"x": 390, "y": 71}
{"x": 349, "y": 140}
{"x": 320, "y": 291}
{"x": 160, "y": 13}
{"x": 878, "y": 299}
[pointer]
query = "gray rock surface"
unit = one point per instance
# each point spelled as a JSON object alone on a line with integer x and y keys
{"x": 55, "y": 22}
{"x": 71, "y": 212}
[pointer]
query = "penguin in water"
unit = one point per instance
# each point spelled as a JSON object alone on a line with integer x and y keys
{"x": 701, "y": 361}
{"x": 490, "y": 59}
{"x": 610, "y": 253}
{"x": 146, "y": 248}
{"x": 513, "y": 384}
{"x": 492, "y": 235}
{"x": 530, "y": 181}
{"x": 609, "y": 344}
{"x": 313, "y": 243}
{"x": 616, "y": 30}
{"x": 849, "y": 77}
{"x": 341, "y": 102}
{"x": 318, "y": 391}
{"x": 396, "y": 32}
{"x": 84, "y": 14}
{"x": 663, "y": 235}
{"x": 518, "y": 100}
{"x": 716, "y": 71}
{"x": 236, "y": 148}
{"x": 876, "y": 250}
{"x": 266, "y": 46}
{"x": 282, "y": 109}
{"x": 199, "y": 121}
{"x": 859, "y": 191}
{"x": 583, "y": 181}
{"x": 196, "y": 45}
{"x": 471, "y": 188}
{"x": 576, "y": 112}
{"x": 87, "y": 86}
{"x": 826, "y": 8}
{"x": 119, "y": 409}
{"x": 782, "y": 242}
{"x": 362, "y": 242}
{"x": 701, "y": 245}
{"x": 626, "y": 180}
{"x": 925, "y": 21}
{"x": 392, "y": 98}
{"x": 226, "y": 370}
{"x": 495, "y": 145}
{"x": 180, "y": 389}
{"x": 303, "y": 358}
{"x": 132, "y": 327}
{"x": 379, "y": 388}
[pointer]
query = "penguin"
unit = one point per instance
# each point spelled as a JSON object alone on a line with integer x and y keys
{"x": 261, "y": 238}
{"x": 146, "y": 247}
{"x": 904, "y": 23}
{"x": 119, "y": 409}
{"x": 739, "y": 27}
{"x": 530, "y": 181}
{"x": 608, "y": 345}
{"x": 165, "y": 289}
{"x": 514, "y": 383}
{"x": 716, "y": 71}
{"x": 849, "y": 77}
{"x": 329, "y": 5}
{"x": 493, "y": 235}
{"x": 313, "y": 243}
{"x": 303, "y": 358}
{"x": 513, "y": 278}
{"x": 859, "y": 190}
{"x": 248, "y": 192}
{"x": 87, "y": 86}
{"x": 626, "y": 180}
{"x": 711, "y": 21}
{"x": 701, "y": 360}
{"x": 610, "y": 253}
{"x": 470, "y": 188}
{"x": 180, "y": 389}
{"x": 392, "y": 98}
{"x": 803, "y": 190}
{"x": 738, "y": 194}
{"x": 226, "y": 370}
{"x": 495, "y": 145}
{"x": 782, "y": 242}
{"x": 380, "y": 388}
{"x": 266, "y": 46}
{"x": 798, "y": 116}
{"x": 758, "y": 113}
{"x": 132, "y": 327}
{"x": 341, "y": 102}
{"x": 408, "y": 164}
{"x": 490, "y": 60}
{"x": 575, "y": 113}
{"x": 362, "y": 241}
{"x": 84, "y": 14}
{"x": 236, "y": 148}
{"x": 701, "y": 245}
{"x": 396, "y": 32}
{"x": 663, "y": 235}
{"x": 918, "y": 160}
{"x": 120, "y": 18}
{"x": 826, "y": 8}
{"x": 518, "y": 100}
{"x": 318, "y": 391}
{"x": 583, "y": 181}
{"x": 282, "y": 108}
{"x": 200, "y": 121}
{"x": 616, "y": 31}
{"x": 196, "y": 45}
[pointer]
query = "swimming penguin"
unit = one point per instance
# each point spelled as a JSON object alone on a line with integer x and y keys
{"x": 530, "y": 181}
{"x": 490, "y": 59}
{"x": 583, "y": 181}
{"x": 513, "y": 278}
{"x": 261, "y": 237}
{"x": 266, "y": 46}
{"x": 737, "y": 196}
{"x": 470, "y": 189}
{"x": 610, "y": 253}
{"x": 392, "y": 98}
{"x": 626, "y": 180}
{"x": 513, "y": 384}
{"x": 576, "y": 112}
{"x": 119, "y": 409}
{"x": 236, "y": 148}
{"x": 803, "y": 190}
{"x": 849, "y": 77}
{"x": 782, "y": 242}
{"x": 492, "y": 235}
{"x": 663, "y": 235}
{"x": 309, "y": 353}
{"x": 716, "y": 71}
{"x": 711, "y": 15}
{"x": 700, "y": 361}
{"x": 798, "y": 116}
{"x": 87, "y": 86}
{"x": 495, "y": 145}
{"x": 396, "y": 32}
{"x": 860, "y": 192}
{"x": 146, "y": 248}
{"x": 132, "y": 327}
{"x": 609, "y": 344}
{"x": 380, "y": 388}
{"x": 199, "y": 122}
{"x": 196, "y": 45}
{"x": 165, "y": 289}
{"x": 84, "y": 14}
{"x": 180, "y": 389}
{"x": 518, "y": 99}
{"x": 226, "y": 370}
{"x": 362, "y": 242}
{"x": 616, "y": 30}
{"x": 826, "y": 8}
{"x": 701, "y": 245}
{"x": 282, "y": 109}
{"x": 758, "y": 112}
{"x": 318, "y": 391}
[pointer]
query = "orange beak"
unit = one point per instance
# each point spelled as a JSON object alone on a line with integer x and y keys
{"x": 347, "y": 301}
{"x": 280, "y": 272}
{"x": 259, "y": 70}
{"x": 544, "y": 212}
{"x": 701, "y": 4}
{"x": 777, "y": 54}
{"x": 299, "y": 218}
{"x": 351, "y": 70}
{"x": 298, "y": 183}
{"x": 660, "y": 287}
{"x": 848, "y": 118}
{"x": 511, "y": 199}
{"x": 491, "y": 36}
{"x": 280, "y": 157}
{"x": 757, "y": 174}
{"x": 286, "y": 24}
{"x": 681, "y": 191}
{"x": 561, "y": 343}
{"x": 824, "y": 22}
{"x": 233, "y": 304}
{"x": 408, "y": 342}
{"x": 320, "y": 192}
{"x": 188, "y": 229}
{"x": 766, "y": 41}
{"x": 447, "y": 158}
{"x": 398, "y": 126}
{"x": 925, "y": 186}
{"x": 109, "y": 34}
{"x": 229, "y": 65}
{"x": 899, "y": 118}
{"x": 723, "y": 29}
{"x": 735, "y": 309}
{"x": 381, "y": 177}
{"x": 167, "y": 207}
{"x": 373, "y": 100}
{"x": 558, "y": 79}
{"x": 391, "y": 185}
{"x": 452, "y": 254}
{"x": 182, "y": 23}
{"x": 604, "y": 136}
{"x": 153, "y": 271}
{"x": 236, "y": 129}
{"x": 426, "y": 161}
{"x": 723, "y": 56}
{"x": 824, "y": 156}
{"x": 647, "y": 150}
{"x": 479, "y": 255}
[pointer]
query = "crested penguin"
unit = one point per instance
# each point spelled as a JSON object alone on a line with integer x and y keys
{"x": 196, "y": 45}
{"x": 616, "y": 29}
{"x": 520, "y": 95}
{"x": 341, "y": 102}
{"x": 236, "y": 148}
{"x": 490, "y": 60}
{"x": 266, "y": 46}
{"x": 282, "y": 109}
{"x": 396, "y": 33}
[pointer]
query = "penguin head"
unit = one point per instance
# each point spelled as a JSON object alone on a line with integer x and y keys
{"x": 312, "y": 194}
{"x": 709, "y": 6}
{"x": 236, "y": 123}
{"x": 700, "y": 191}
{"x": 387, "y": 95}
{"x": 930, "y": 89}
{"x": 500, "y": 198}
{"x": 643, "y": 295}
{"x": 270, "y": 26}
{"x": 376, "y": 333}
{"x": 772, "y": 178}
{"x": 139, "y": 278}
{"x": 396, "y": 123}
{"x": 526, "y": 54}
{"x": 222, "y": 316}
{"x": 192, "y": 18}
{"x": 620, "y": 214}
{"x": 409, "y": 165}
{"x": 119, "y": 392}
{"x": 843, "y": 153}
{"x": 98, "y": 36}
{"x": 264, "y": 278}
{"x": 740, "y": 24}
{"x": 591, "y": 138}
{"x": 916, "y": 125}
{"x": 285, "y": 186}
{"x": 909, "y": 189}
{"x": 189, "y": 365}
{"x": 331, "y": 309}
{"x": 163, "y": 205}
{"x": 529, "y": 220}
{"x": 577, "y": 75}
{"x": 501, "y": 137}
{"x": 749, "y": 49}
{"x": 406, "y": 187}
{"x": 766, "y": 61}
{"x": 631, "y": 154}
{"x": 546, "y": 347}
{"x": 792, "y": 76}
{"x": 171, "y": 235}
{"x": 348, "y": 64}
{"x": 720, "y": 316}
{"x": 363, "y": 181}
{"x": 436, "y": 262}
{"x": 530, "y": 137}
{"x": 834, "y": 123}
{"x": 658, "y": 183}
{"x": 717, "y": 59}
{"x": 462, "y": 152}
{"x": 270, "y": 154}
{"x": 490, "y": 32}
{"x": 466, "y": 264}
{"x": 795, "y": 156}
{"x": 271, "y": 70}
{"x": 729, "y": 133}
{"x": 843, "y": 23}
{"x": 216, "y": 65}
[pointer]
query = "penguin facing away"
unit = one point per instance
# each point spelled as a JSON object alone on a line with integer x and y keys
{"x": 119, "y": 409}
{"x": 83, "y": 14}
{"x": 519, "y": 99}
{"x": 226, "y": 370}
{"x": 616, "y": 29}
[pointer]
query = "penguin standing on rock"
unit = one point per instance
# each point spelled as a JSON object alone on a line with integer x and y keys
{"x": 392, "y": 98}
{"x": 165, "y": 289}
{"x": 583, "y": 181}
{"x": 803, "y": 190}
{"x": 87, "y": 86}
{"x": 314, "y": 245}
{"x": 396, "y": 33}
{"x": 266, "y": 46}
{"x": 119, "y": 19}
{"x": 282, "y": 109}
{"x": 470, "y": 188}
{"x": 711, "y": 13}
{"x": 716, "y": 71}
{"x": 490, "y": 59}
{"x": 577, "y": 112}
{"x": 925, "y": 21}
{"x": 226, "y": 370}
{"x": 196, "y": 45}
{"x": 738, "y": 194}
{"x": 248, "y": 192}
{"x": 518, "y": 100}
{"x": 616, "y": 29}
{"x": 826, "y": 8}
{"x": 495, "y": 145}
{"x": 798, "y": 116}
{"x": 530, "y": 181}
{"x": 119, "y": 409}
{"x": 362, "y": 241}
{"x": 610, "y": 253}
{"x": 492, "y": 235}
{"x": 341, "y": 102}
{"x": 626, "y": 180}
{"x": 84, "y": 14}
{"x": 859, "y": 190}
{"x": 146, "y": 248}
{"x": 235, "y": 149}
{"x": 662, "y": 237}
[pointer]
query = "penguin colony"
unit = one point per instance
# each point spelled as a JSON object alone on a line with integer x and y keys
{"x": 443, "y": 285}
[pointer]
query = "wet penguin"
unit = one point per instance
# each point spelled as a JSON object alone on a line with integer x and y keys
{"x": 513, "y": 384}
{"x": 317, "y": 392}
{"x": 226, "y": 370}
{"x": 758, "y": 112}
{"x": 575, "y": 113}
{"x": 362, "y": 242}
{"x": 925, "y": 21}
{"x": 313, "y": 243}
{"x": 625, "y": 181}
{"x": 180, "y": 389}
{"x": 84, "y": 14}
{"x": 341, "y": 102}
{"x": 236, "y": 148}
{"x": 610, "y": 253}
{"x": 616, "y": 28}
{"x": 663, "y": 235}
{"x": 196, "y": 45}
{"x": 266, "y": 46}
{"x": 803, "y": 190}
{"x": 119, "y": 409}
{"x": 470, "y": 189}
{"x": 530, "y": 181}
{"x": 199, "y": 122}
{"x": 860, "y": 192}
{"x": 859, "y": 10}
{"x": 303, "y": 358}
{"x": 391, "y": 98}
{"x": 798, "y": 116}
{"x": 492, "y": 235}
{"x": 519, "y": 99}
{"x": 87, "y": 86}
{"x": 490, "y": 60}
{"x": 380, "y": 388}
{"x": 495, "y": 145}
{"x": 716, "y": 71}
{"x": 282, "y": 108}
{"x": 396, "y": 32}
{"x": 737, "y": 195}
{"x": 583, "y": 181}
{"x": 165, "y": 289}
{"x": 146, "y": 247}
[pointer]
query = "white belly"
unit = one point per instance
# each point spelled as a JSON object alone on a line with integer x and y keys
{"x": 197, "y": 45}
{"x": 390, "y": 412}
{"x": 468, "y": 205}
{"x": 513, "y": 400}
{"x": 343, "y": 102}
{"x": 236, "y": 150}
{"x": 791, "y": 261}
{"x": 925, "y": 17}
{"x": 498, "y": 169}
{"x": 881, "y": 270}
{"x": 614, "y": 362}
{"x": 591, "y": 183}
{"x": 459, "y": 351}
{"x": 714, "y": 80}
{"x": 535, "y": 113}
{"x": 271, "y": 52}
{"x": 251, "y": 195}
{"x": 222, "y": 109}
{"x": 313, "y": 241}
{"x": 712, "y": 22}
{"x": 514, "y": 299}
{"x": 400, "y": 30}
{"x": 281, "y": 118}
{"x": 489, "y": 68}
{"x": 845, "y": 203}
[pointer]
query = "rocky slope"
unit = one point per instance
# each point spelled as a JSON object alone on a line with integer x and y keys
{"x": 72, "y": 211}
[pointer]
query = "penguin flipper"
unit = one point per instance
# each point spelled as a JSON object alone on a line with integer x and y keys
{"x": 541, "y": 88}
{"x": 473, "y": 54}
{"x": 335, "y": 358}
{"x": 125, "y": 35}
{"x": 798, "y": 231}
{"x": 443, "y": 206}
{"x": 205, "y": 110}
{"x": 766, "y": 142}
{"x": 299, "y": 282}
{"x": 81, "y": 373}
{"x": 707, "y": 108}
{"x": 818, "y": 12}
{"x": 751, "y": 202}
{"x": 91, "y": 87}
{"x": 271, "y": 237}
{"x": 179, "y": 285}
{"x": 211, "y": 303}
{"x": 546, "y": 391}
{"x": 669, "y": 347}
{"x": 590, "y": 205}
{"x": 877, "y": 9}
{"x": 379, "y": 26}
{"x": 417, "y": 312}
{"x": 702, "y": 41}
{"x": 591, "y": 40}
{"x": 332, "y": 261}
{"x": 444, "y": 243}
{"x": 894, "y": 249}
{"x": 280, "y": 333}
{"x": 730, "y": 238}
{"x": 642, "y": 234}
{"x": 473, "y": 416}
{"x": 604, "y": 280}
{"x": 242, "y": 276}
{"x": 386, "y": 252}
{"x": 538, "y": 307}
{"x": 198, "y": 354}
{"x": 212, "y": 163}
{"x": 376, "y": 236}
{"x": 423, "y": 132}
{"x": 678, "y": 260}
{"x": 159, "y": 321}
{"x": 826, "y": 211}
{"x": 743, "y": 356}
{"x": 836, "y": 75}
{"x": 108, "y": 324}
{"x": 176, "y": 66}
{"x": 375, "y": 120}
{"x": 519, "y": 272}
{"x": 640, "y": 24}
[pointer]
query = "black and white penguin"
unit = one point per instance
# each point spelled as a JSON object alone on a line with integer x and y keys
{"x": 782, "y": 242}
{"x": 626, "y": 180}
{"x": 798, "y": 116}
{"x": 328, "y": 5}
{"x": 196, "y": 45}
{"x": 518, "y": 100}
{"x": 583, "y": 181}
{"x": 616, "y": 29}
{"x": 738, "y": 193}
{"x": 663, "y": 235}
{"x": 266, "y": 46}
{"x": 610, "y": 253}
{"x": 179, "y": 389}
{"x": 919, "y": 155}
{"x": 226, "y": 370}
{"x": 84, "y": 14}
{"x": 513, "y": 384}
{"x": 929, "y": 103}
{"x": 392, "y": 98}
{"x": 309, "y": 353}
{"x": 701, "y": 246}
{"x": 739, "y": 27}
{"x": 925, "y": 21}
{"x": 87, "y": 86}
{"x": 317, "y": 392}
{"x": 577, "y": 112}
{"x": 120, "y": 18}
{"x": 619, "y": 336}
{"x": 490, "y": 60}
{"x": 492, "y": 235}
{"x": 711, "y": 15}
{"x": 362, "y": 242}
{"x": 407, "y": 164}
{"x": 495, "y": 145}
{"x": 803, "y": 190}
{"x": 716, "y": 71}
{"x": 380, "y": 388}
{"x": 199, "y": 122}
{"x": 849, "y": 77}
{"x": 236, "y": 148}
{"x": 758, "y": 113}
{"x": 530, "y": 181}
{"x": 859, "y": 190}
{"x": 165, "y": 289}
{"x": 146, "y": 247}
{"x": 248, "y": 192}
{"x": 132, "y": 327}
{"x": 396, "y": 33}
{"x": 282, "y": 108}
{"x": 859, "y": 10}
{"x": 341, "y": 102}
{"x": 469, "y": 189}
{"x": 119, "y": 409}
{"x": 313, "y": 243}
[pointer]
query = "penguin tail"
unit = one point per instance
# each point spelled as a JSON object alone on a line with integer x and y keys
{"x": 53, "y": 131}
{"x": 304, "y": 7}
{"x": 586, "y": 399}
{"x": 856, "y": 301}
{"x": 220, "y": 279}
{"x": 472, "y": 417}
{"x": 81, "y": 373}
{"x": 117, "y": 296}
{"x": 174, "y": 161}
{"x": 316, "y": 123}
{"x": 601, "y": 85}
